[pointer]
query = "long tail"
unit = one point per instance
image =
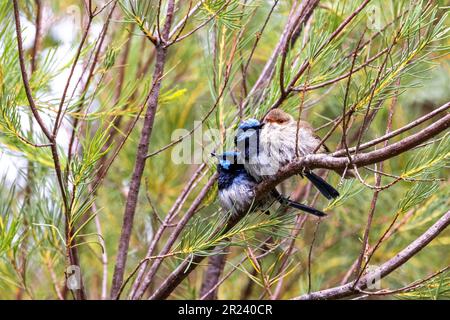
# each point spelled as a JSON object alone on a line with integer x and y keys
{"x": 324, "y": 187}
{"x": 297, "y": 205}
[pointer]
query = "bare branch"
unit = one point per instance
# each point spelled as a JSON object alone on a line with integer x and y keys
{"x": 23, "y": 69}
{"x": 394, "y": 133}
{"x": 132, "y": 198}
{"x": 212, "y": 275}
{"x": 170, "y": 215}
{"x": 174, "y": 235}
{"x": 401, "y": 258}
{"x": 310, "y": 161}
{"x": 72, "y": 252}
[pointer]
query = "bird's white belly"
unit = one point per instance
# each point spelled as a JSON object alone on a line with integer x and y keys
{"x": 277, "y": 148}
{"x": 236, "y": 197}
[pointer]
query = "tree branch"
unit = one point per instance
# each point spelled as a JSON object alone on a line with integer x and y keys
{"x": 394, "y": 133}
{"x": 297, "y": 17}
{"x": 173, "y": 237}
{"x": 167, "y": 220}
{"x": 23, "y": 69}
{"x": 330, "y": 162}
{"x": 72, "y": 252}
{"x": 212, "y": 275}
{"x": 310, "y": 161}
{"x": 132, "y": 198}
{"x": 401, "y": 258}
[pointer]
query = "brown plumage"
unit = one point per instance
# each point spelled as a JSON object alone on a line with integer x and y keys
{"x": 278, "y": 116}
{"x": 280, "y": 140}
{"x": 283, "y": 126}
{"x": 282, "y": 132}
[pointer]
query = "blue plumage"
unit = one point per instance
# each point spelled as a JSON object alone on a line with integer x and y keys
{"x": 236, "y": 186}
{"x": 237, "y": 189}
{"x": 250, "y": 124}
{"x": 261, "y": 163}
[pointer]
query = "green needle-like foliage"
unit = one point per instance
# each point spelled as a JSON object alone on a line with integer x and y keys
{"x": 94, "y": 73}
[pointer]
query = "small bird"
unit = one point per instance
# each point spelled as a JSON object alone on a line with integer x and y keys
{"x": 237, "y": 189}
{"x": 269, "y": 145}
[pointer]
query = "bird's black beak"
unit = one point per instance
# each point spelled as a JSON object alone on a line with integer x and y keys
{"x": 213, "y": 154}
{"x": 261, "y": 125}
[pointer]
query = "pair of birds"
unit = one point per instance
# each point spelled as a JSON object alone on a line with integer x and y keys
{"x": 263, "y": 148}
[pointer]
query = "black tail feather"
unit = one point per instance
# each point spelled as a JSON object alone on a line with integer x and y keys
{"x": 297, "y": 205}
{"x": 305, "y": 208}
{"x": 324, "y": 187}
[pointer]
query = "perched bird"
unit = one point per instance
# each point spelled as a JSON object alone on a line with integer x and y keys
{"x": 275, "y": 142}
{"x": 237, "y": 189}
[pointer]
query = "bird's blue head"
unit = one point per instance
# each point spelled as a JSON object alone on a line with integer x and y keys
{"x": 250, "y": 124}
{"x": 247, "y": 129}
{"x": 227, "y": 160}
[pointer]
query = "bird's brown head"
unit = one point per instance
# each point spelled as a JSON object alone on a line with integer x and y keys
{"x": 278, "y": 116}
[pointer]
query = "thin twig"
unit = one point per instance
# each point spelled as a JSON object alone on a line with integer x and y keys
{"x": 174, "y": 235}
{"x": 132, "y": 198}
{"x": 386, "y": 268}
{"x": 310, "y": 161}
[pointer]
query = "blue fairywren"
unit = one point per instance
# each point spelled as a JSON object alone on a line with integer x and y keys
{"x": 269, "y": 145}
{"x": 237, "y": 189}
